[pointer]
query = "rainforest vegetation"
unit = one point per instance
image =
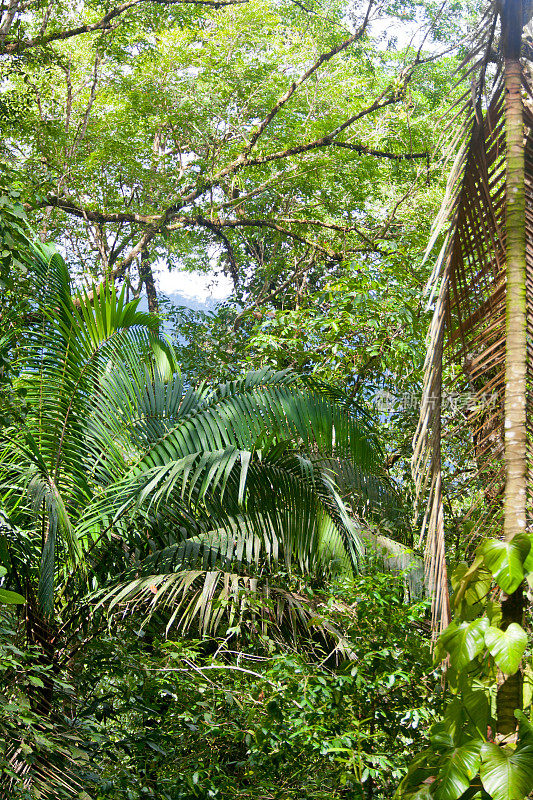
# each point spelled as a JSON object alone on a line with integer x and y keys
{"x": 276, "y": 546}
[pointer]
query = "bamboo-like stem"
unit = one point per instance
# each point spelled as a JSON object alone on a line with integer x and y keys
{"x": 516, "y": 355}
{"x": 510, "y": 691}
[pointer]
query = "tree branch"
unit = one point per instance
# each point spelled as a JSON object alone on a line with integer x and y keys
{"x": 360, "y": 148}
{"x": 217, "y": 230}
{"x": 261, "y": 299}
{"x": 104, "y": 23}
{"x": 153, "y": 227}
{"x": 69, "y": 206}
{"x": 326, "y": 141}
{"x": 325, "y": 57}
{"x": 266, "y": 223}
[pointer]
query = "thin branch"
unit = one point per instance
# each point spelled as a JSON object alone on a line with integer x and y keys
{"x": 262, "y": 298}
{"x": 217, "y": 230}
{"x": 360, "y": 148}
{"x": 235, "y": 202}
{"x": 324, "y": 141}
{"x": 266, "y": 223}
{"x": 69, "y": 206}
{"x": 330, "y": 226}
{"x": 322, "y": 59}
{"x": 82, "y": 127}
{"x": 104, "y": 23}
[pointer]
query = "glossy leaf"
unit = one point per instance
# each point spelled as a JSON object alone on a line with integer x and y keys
{"x": 507, "y": 647}
{"x": 471, "y": 583}
{"x": 506, "y": 560}
{"x": 440, "y": 737}
{"x": 464, "y": 641}
{"x": 11, "y": 598}
{"x": 506, "y": 775}
{"x": 422, "y": 794}
{"x": 476, "y": 702}
{"x": 460, "y": 766}
{"x": 525, "y": 729}
{"x": 528, "y": 563}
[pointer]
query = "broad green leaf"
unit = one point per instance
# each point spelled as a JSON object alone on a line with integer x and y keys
{"x": 525, "y": 729}
{"x": 11, "y": 598}
{"x": 422, "y": 794}
{"x": 454, "y": 718}
{"x": 506, "y": 560}
{"x": 440, "y": 737}
{"x": 413, "y": 787}
{"x": 506, "y": 774}
{"x": 3, "y": 571}
{"x": 461, "y": 569}
{"x": 527, "y": 684}
{"x": 471, "y": 583}
{"x": 464, "y": 641}
{"x": 493, "y": 610}
{"x": 528, "y": 563}
{"x": 460, "y": 766}
{"x": 421, "y": 769}
{"x": 476, "y": 701}
{"x": 507, "y": 647}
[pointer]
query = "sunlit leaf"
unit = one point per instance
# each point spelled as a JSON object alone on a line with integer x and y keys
{"x": 506, "y": 774}
{"x": 464, "y": 641}
{"x": 506, "y": 560}
{"x": 11, "y": 598}
{"x": 460, "y": 766}
{"x": 507, "y": 647}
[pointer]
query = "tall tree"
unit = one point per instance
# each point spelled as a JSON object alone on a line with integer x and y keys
{"x": 482, "y": 295}
{"x": 173, "y": 140}
{"x": 483, "y": 309}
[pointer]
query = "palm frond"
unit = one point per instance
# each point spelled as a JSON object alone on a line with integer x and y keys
{"x": 203, "y": 600}
{"x": 268, "y": 502}
{"x": 214, "y": 473}
{"x": 468, "y": 289}
{"x": 70, "y": 343}
{"x": 164, "y": 420}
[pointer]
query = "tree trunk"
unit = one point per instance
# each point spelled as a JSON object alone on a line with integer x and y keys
{"x": 147, "y": 277}
{"x": 510, "y": 690}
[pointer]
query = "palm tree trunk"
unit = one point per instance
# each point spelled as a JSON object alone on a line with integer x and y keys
{"x": 510, "y": 690}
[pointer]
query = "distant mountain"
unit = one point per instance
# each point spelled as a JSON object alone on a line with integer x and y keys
{"x": 197, "y": 304}
{"x": 178, "y": 299}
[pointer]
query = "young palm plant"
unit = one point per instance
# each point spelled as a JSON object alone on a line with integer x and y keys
{"x": 125, "y": 485}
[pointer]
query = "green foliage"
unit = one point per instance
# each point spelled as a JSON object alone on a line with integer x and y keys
{"x": 38, "y": 738}
{"x": 507, "y": 774}
{"x": 461, "y": 765}
{"x": 463, "y": 757}
{"x": 114, "y": 436}
{"x": 232, "y": 506}
{"x": 15, "y": 291}
{"x": 464, "y": 641}
{"x": 202, "y": 506}
{"x": 507, "y": 647}
{"x": 157, "y": 114}
{"x": 7, "y": 597}
{"x": 506, "y": 560}
{"x": 241, "y": 718}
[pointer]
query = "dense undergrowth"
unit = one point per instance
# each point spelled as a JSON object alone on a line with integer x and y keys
{"x": 241, "y": 716}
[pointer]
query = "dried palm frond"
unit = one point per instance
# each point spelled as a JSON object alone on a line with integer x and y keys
{"x": 468, "y": 290}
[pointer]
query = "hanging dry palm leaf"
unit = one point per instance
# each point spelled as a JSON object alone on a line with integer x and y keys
{"x": 482, "y": 291}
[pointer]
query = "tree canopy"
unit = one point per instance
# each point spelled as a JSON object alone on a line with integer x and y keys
{"x": 218, "y": 576}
